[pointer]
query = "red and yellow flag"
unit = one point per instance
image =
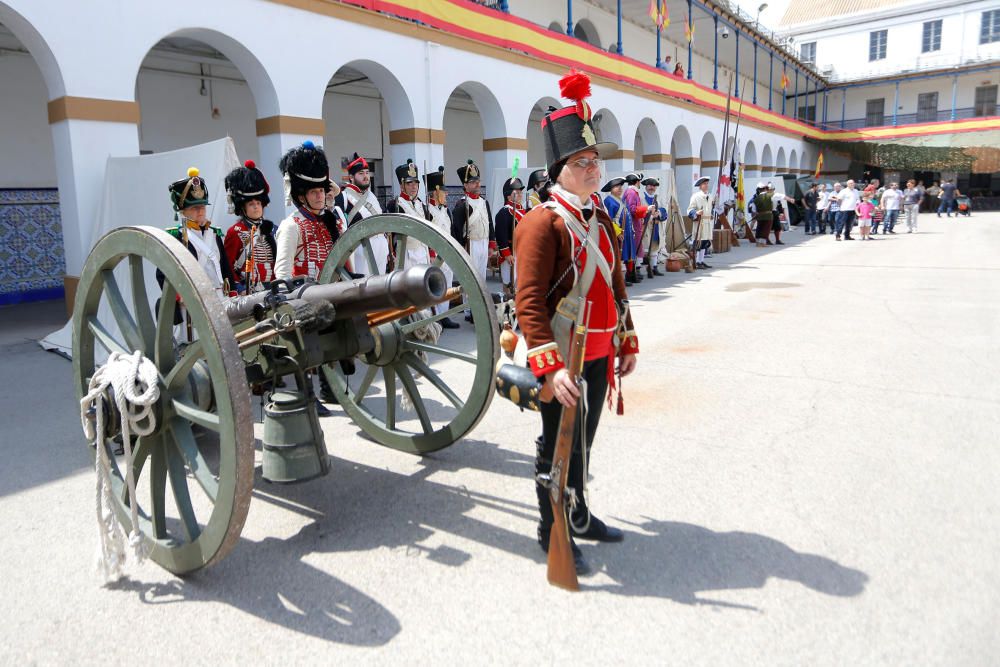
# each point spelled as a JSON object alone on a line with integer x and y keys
{"x": 664, "y": 14}
{"x": 653, "y": 11}
{"x": 819, "y": 165}
{"x": 784, "y": 80}
{"x": 688, "y": 28}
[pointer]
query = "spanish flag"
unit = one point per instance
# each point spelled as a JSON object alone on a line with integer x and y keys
{"x": 688, "y": 29}
{"x": 819, "y": 165}
{"x": 664, "y": 15}
{"x": 784, "y": 80}
{"x": 653, "y": 12}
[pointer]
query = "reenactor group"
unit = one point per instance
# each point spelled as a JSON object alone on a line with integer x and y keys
{"x": 569, "y": 242}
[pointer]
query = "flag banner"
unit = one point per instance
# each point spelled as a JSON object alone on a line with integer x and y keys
{"x": 653, "y": 13}
{"x": 784, "y": 80}
{"x": 819, "y": 165}
{"x": 688, "y": 28}
{"x": 664, "y": 14}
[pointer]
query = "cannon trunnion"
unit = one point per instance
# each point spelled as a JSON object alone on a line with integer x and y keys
{"x": 372, "y": 338}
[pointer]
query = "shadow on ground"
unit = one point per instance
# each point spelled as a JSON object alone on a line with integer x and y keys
{"x": 361, "y": 508}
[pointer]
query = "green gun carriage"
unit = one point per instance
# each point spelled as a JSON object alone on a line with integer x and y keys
{"x": 195, "y": 473}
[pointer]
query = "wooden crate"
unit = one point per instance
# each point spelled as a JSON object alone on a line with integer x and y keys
{"x": 720, "y": 240}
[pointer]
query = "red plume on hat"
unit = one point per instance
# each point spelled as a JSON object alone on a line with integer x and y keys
{"x": 575, "y": 86}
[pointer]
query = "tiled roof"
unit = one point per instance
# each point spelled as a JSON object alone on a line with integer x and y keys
{"x": 807, "y": 11}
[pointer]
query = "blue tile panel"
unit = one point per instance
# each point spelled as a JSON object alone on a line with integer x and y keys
{"x": 32, "y": 261}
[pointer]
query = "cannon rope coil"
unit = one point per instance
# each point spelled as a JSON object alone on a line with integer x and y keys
{"x": 134, "y": 382}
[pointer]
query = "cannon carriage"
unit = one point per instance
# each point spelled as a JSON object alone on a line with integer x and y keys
{"x": 371, "y": 338}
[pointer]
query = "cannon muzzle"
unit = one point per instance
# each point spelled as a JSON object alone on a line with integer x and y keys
{"x": 418, "y": 286}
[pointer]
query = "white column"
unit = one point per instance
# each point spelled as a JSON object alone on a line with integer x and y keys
{"x": 82, "y": 149}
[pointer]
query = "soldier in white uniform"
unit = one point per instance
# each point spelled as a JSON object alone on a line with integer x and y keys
{"x": 700, "y": 211}
{"x": 408, "y": 203}
{"x": 437, "y": 206}
{"x": 358, "y": 202}
{"x": 472, "y": 223}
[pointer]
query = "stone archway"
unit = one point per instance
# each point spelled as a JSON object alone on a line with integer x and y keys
{"x": 780, "y": 161}
{"x": 766, "y": 161}
{"x": 684, "y": 162}
{"x": 30, "y": 225}
{"x": 649, "y": 152}
{"x": 365, "y": 111}
{"x": 536, "y": 144}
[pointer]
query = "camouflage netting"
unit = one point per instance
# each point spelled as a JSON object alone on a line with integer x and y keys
{"x": 977, "y": 152}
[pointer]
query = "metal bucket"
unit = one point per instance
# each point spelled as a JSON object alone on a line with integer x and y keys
{"x": 293, "y": 445}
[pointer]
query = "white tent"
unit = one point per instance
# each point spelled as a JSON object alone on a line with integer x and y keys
{"x": 135, "y": 193}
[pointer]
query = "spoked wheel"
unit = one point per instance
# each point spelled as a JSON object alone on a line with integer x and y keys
{"x": 449, "y": 382}
{"x": 194, "y": 473}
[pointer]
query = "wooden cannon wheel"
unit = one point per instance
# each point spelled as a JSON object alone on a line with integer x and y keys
{"x": 193, "y": 491}
{"x": 448, "y": 402}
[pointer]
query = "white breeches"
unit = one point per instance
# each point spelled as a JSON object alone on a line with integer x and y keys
{"x": 479, "y": 252}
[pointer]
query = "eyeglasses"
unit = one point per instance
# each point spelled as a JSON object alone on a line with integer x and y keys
{"x": 586, "y": 163}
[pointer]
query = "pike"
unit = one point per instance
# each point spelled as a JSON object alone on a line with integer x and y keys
{"x": 561, "y": 568}
{"x": 732, "y": 156}
{"x": 722, "y": 156}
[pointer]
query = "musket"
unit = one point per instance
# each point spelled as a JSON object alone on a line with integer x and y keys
{"x": 561, "y": 567}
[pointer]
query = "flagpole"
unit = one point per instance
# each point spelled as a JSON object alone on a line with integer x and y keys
{"x": 659, "y": 62}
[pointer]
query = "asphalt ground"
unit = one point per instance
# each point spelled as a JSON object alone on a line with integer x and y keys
{"x": 808, "y": 472}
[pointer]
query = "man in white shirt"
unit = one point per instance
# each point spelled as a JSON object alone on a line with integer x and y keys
{"x": 822, "y": 204}
{"x": 890, "y": 204}
{"x": 848, "y": 199}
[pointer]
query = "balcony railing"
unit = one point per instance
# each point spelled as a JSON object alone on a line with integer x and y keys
{"x": 904, "y": 119}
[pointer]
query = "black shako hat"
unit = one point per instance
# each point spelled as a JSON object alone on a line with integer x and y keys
{"x": 613, "y": 183}
{"x": 357, "y": 164}
{"x": 468, "y": 172}
{"x": 434, "y": 180}
{"x": 510, "y": 185}
{"x": 571, "y": 129}
{"x": 190, "y": 191}
{"x": 407, "y": 173}
{"x": 536, "y": 178}
{"x": 245, "y": 184}
{"x": 305, "y": 168}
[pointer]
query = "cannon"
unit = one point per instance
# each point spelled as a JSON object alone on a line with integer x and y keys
{"x": 194, "y": 474}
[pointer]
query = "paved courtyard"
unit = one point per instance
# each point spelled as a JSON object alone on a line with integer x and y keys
{"x": 808, "y": 472}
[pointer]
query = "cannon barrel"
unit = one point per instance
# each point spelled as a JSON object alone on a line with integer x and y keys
{"x": 419, "y": 286}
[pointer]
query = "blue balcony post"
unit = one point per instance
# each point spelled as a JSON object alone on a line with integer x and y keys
{"x": 824, "y": 108}
{"x": 618, "y": 48}
{"x": 569, "y": 17}
{"x": 504, "y": 7}
{"x": 736, "y": 34}
{"x": 784, "y": 96}
{"x": 659, "y": 61}
{"x": 895, "y": 107}
{"x": 954, "y": 96}
{"x": 755, "y": 71}
{"x": 816, "y": 100}
{"x": 843, "y": 109}
{"x": 805, "y": 107}
{"x": 690, "y": 41}
{"x": 715, "y": 62}
{"x": 795, "y": 105}
{"x": 770, "y": 83}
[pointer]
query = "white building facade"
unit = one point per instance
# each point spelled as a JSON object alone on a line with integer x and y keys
{"x": 81, "y": 87}
{"x": 892, "y": 62}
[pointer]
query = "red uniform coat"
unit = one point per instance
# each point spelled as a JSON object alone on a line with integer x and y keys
{"x": 545, "y": 248}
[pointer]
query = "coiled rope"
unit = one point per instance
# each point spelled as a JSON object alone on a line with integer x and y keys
{"x": 133, "y": 379}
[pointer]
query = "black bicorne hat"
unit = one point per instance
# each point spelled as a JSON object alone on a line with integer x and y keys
{"x": 468, "y": 172}
{"x": 537, "y": 177}
{"x": 651, "y": 181}
{"x": 407, "y": 173}
{"x": 510, "y": 185}
{"x": 305, "y": 168}
{"x": 571, "y": 129}
{"x": 614, "y": 182}
{"x": 633, "y": 178}
{"x": 357, "y": 164}
{"x": 434, "y": 180}
{"x": 244, "y": 184}
{"x": 190, "y": 191}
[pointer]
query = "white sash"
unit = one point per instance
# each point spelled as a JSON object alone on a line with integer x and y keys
{"x": 204, "y": 251}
